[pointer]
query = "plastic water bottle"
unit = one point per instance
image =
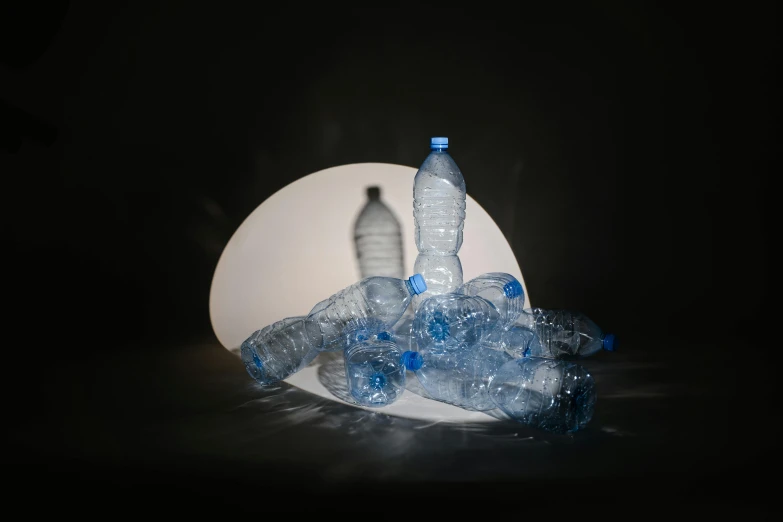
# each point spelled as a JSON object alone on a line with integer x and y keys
{"x": 381, "y": 298}
{"x": 285, "y": 347}
{"x": 550, "y": 394}
{"x": 367, "y": 332}
{"x": 502, "y": 290}
{"x": 461, "y": 377}
{"x": 403, "y": 333}
{"x": 448, "y": 321}
{"x": 378, "y": 238}
{"x": 518, "y": 341}
{"x": 563, "y": 332}
{"x": 375, "y": 371}
{"x": 374, "y": 366}
{"x": 439, "y": 211}
{"x": 277, "y": 351}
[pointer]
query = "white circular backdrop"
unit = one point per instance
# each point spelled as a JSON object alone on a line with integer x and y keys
{"x": 296, "y": 249}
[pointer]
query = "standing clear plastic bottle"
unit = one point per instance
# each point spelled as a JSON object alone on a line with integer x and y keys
{"x": 281, "y": 349}
{"x": 378, "y": 238}
{"x": 439, "y": 198}
{"x": 550, "y": 394}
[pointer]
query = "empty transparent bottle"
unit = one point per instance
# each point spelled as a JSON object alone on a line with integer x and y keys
{"x": 502, "y": 290}
{"x": 381, "y": 298}
{"x": 375, "y": 371}
{"x": 285, "y": 347}
{"x": 439, "y": 199}
{"x": 403, "y": 333}
{"x": 561, "y": 333}
{"x": 550, "y": 394}
{"x": 448, "y": 321}
{"x": 277, "y": 351}
{"x": 378, "y": 238}
{"x": 462, "y": 376}
{"x": 518, "y": 341}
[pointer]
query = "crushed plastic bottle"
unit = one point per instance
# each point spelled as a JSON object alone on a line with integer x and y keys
{"x": 375, "y": 371}
{"x": 562, "y": 333}
{"x": 285, "y": 347}
{"x": 502, "y": 290}
{"x": 452, "y": 320}
{"x": 462, "y": 376}
{"x": 381, "y": 298}
{"x": 550, "y": 394}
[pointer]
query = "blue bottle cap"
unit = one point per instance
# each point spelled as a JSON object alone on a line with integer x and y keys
{"x": 512, "y": 289}
{"x": 609, "y": 343}
{"x": 412, "y": 360}
{"x": 418, "y": 284}
{"x": 440, "y": 143}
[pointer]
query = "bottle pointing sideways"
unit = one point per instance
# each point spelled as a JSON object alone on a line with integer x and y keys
{"x": 285, "y": 347}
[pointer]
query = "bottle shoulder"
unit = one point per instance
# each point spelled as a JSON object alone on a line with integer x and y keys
{"x": 439, "y": 166}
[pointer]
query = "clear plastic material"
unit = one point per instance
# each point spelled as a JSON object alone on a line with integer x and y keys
{"x": 368, "y": 307}
{"x": 462, "y": 376}
{"x": 439, "y": 198}
{"x": 403, "y": 332}
{"x": 561, "y": 333}
{"x": 554, "y": 395}
{"x": 384, "y": 299}
{"x": 375, "y": 371}
{"x": 378, "y": 238}
{"x": 502, "y": 290}
{"x": 443, "y": 274}
{"x": 450, "y": 321}
{"x": 277, "y": 351}
{"x": 517, "y": 340}
{"x": 369, "y": 329}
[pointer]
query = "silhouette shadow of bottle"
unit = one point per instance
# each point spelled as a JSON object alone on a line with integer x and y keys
{"x": 378, "y": 238}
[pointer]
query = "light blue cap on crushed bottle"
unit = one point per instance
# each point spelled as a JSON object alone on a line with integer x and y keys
{"x": 439, "y": 143}
{"x": 418, "y": 284}
{"x": 609, "y": 343}
{"x": 411, "y": 360}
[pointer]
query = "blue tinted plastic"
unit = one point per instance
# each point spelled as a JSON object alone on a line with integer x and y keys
{"x": 549, "y": 394}
{"x": 375, "y": 372}
{"x": 502, "y": 290}
{"x": 412, "y": 360}
{"x": 462, "y": 376}
{"x": 357, "y": 313}
{"x": 563, "y": 332}
{"x": 440, "y": 143}
{"x": 277, "y": 351}
{"x": 382, "y": 299}
{"x": 448, "y": 321}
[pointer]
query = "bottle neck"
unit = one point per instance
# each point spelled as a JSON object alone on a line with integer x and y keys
{"x": 435, "y": 148}
{"x": 409, "y": 286}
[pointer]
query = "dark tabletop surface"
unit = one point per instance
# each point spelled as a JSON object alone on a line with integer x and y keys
{"x": 182, "y": 423}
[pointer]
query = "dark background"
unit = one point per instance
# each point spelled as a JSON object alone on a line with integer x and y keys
{"x": 623, "y": 150}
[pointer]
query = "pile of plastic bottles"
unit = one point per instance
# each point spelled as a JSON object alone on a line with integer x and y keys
{"x": 471, "y": 344}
